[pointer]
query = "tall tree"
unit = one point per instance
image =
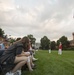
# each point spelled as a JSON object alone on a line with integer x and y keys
{"x": 32, "y": 38}
{"x": 45, "y": 42}
{"x": 53, "y": 45}
{"x": 64, "y": 42}
{"x": 1, "y": 32}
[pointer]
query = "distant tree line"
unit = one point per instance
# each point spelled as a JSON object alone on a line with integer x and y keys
{"x": 45, "y": 42}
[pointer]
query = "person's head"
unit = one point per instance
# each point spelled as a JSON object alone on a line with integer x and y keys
{"x": 25, "y": 41}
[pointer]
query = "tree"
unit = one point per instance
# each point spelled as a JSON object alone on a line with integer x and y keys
{"x": 1, "y": 33}
{"x": 45, "y": 42}
{"x": 53, "y": 45}
{"x": 12, "y": 40}
{"x": 18, "y": 38}
{"x": 64, "y": 42}
{"x": 32, "y": 38}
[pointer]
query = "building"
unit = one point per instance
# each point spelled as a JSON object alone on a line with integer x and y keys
{"x": 72, "y": 41}
{"x": 37, "y": 45}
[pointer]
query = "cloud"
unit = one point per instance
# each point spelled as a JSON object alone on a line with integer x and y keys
{"x": 51, "y": 18}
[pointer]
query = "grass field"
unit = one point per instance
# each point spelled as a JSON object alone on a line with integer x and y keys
{"x": 53, "y": 64}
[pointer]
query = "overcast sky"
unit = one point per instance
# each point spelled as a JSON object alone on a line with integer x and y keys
{"x": 51, "y": 18}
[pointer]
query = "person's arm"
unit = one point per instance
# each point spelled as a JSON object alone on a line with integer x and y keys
{"x": 20, "y": 52}
{"x": 26, "y": 53}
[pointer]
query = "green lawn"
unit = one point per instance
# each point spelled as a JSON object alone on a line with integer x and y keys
{"x": 53, "y": 64}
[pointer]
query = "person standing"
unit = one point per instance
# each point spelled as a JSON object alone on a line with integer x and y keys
{"x": 49, "y": 49}
{"x": 60, "y": 49}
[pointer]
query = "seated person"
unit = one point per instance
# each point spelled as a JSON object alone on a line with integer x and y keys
{"x": 26, "y": 53}
{"x": 2, "y": 47}
{"x": 14, "y": 55}
{"x": 32, "y": 51}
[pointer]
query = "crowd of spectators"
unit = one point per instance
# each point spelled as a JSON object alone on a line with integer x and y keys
{"x": 18, "y": 54}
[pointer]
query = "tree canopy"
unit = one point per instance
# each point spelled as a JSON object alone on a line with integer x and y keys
{"x": 53, "y": 45}
{"x": 64, "y": 41}
{"x": 1, "y": 32}
{"x": 32, "y": 38}
{"x": 45, "y": 42}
